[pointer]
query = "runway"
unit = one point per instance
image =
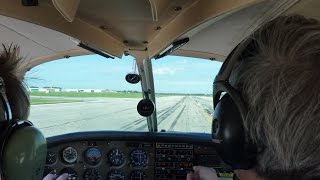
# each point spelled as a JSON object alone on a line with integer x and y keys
{"x": 174, "y": 113}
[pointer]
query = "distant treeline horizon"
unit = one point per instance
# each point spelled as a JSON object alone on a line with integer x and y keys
{"x": 124, "y": 91}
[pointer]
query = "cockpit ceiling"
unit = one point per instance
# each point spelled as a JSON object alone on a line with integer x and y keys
{"x": 217, "y": 39}
{"x": 142, "y": 28}
{"x": 37, "y": 43}
{"x": 133, "y": 22}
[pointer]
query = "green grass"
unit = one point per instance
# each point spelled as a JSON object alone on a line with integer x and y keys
{"x": 105, "y": 94}
{"x": 51, "y": 101}
{"x": 85, "y": 94}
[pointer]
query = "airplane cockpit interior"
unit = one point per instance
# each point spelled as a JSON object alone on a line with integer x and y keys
{"x": 122, "y": 89}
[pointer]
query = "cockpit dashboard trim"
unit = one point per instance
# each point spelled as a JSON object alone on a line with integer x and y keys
{"x": 195, "y": 138}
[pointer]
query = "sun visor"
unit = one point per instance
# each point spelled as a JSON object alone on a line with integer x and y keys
{"x": 67, "y": 9}
{"x": 216, "y": 38}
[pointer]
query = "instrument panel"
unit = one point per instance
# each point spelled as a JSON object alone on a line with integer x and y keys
{"x": 130, "y": 160}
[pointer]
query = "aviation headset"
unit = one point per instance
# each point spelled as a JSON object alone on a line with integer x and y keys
{"x": 23, "y": 147}
{"x": 233, "y": 144}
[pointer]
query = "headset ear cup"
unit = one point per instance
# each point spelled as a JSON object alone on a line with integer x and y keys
{"x": 229, "y": 134}
{"x": 24, "y": 154}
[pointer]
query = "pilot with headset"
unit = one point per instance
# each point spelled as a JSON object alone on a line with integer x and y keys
{"x": 23, "y": 147}
{"x": 266, "y": 99}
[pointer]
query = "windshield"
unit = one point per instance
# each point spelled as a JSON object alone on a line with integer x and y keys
{"x": 184, "y": 93}
{"x": 90, "y": 93}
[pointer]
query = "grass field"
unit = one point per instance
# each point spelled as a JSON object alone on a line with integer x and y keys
{"x": 108, "y": 94}
{"x": 88, "y": 94}
{"x": 53, "y": 97}
{"x": 35, "y": 101}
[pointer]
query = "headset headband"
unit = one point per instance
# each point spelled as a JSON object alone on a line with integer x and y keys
{"x": 221, "y": 81}
{"x": 230, "y": 62}
{"x": 236, "y": 143}
{"x": 5, "y": 102}
{"x": 32, "y": 149}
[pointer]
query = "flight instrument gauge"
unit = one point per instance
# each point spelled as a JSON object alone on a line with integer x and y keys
{"x": 116, "y": 157}
{"x": 93, "y": 156}
{"x": 137, "y": 175}
{"x": 92, "y": 174}
{"x": 51, "y": 158}
{"x": 138, "y": 158}
{"x": 69, "y": 155}
{"x": 72, "y": 173}
{"x": 115, "y": 175}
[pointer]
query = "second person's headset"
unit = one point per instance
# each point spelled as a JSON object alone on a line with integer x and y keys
{"x": 22, "y": 146}
{"x": 232, "y": 143}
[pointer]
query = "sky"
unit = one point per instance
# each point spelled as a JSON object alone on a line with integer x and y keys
{"x": 172, "y": 74}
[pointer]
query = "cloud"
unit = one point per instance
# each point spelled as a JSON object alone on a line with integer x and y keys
{"x": 165, "y": 71}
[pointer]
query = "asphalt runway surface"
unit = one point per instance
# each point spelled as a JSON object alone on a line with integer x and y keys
{"x": 175, "y": 113}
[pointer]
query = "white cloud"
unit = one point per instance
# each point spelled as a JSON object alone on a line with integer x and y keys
{"x": 165, "y": 71}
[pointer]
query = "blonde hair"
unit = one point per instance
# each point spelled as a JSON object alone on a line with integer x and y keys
{"x": 15, "y": 89}
{"x": 281, "y": 85}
